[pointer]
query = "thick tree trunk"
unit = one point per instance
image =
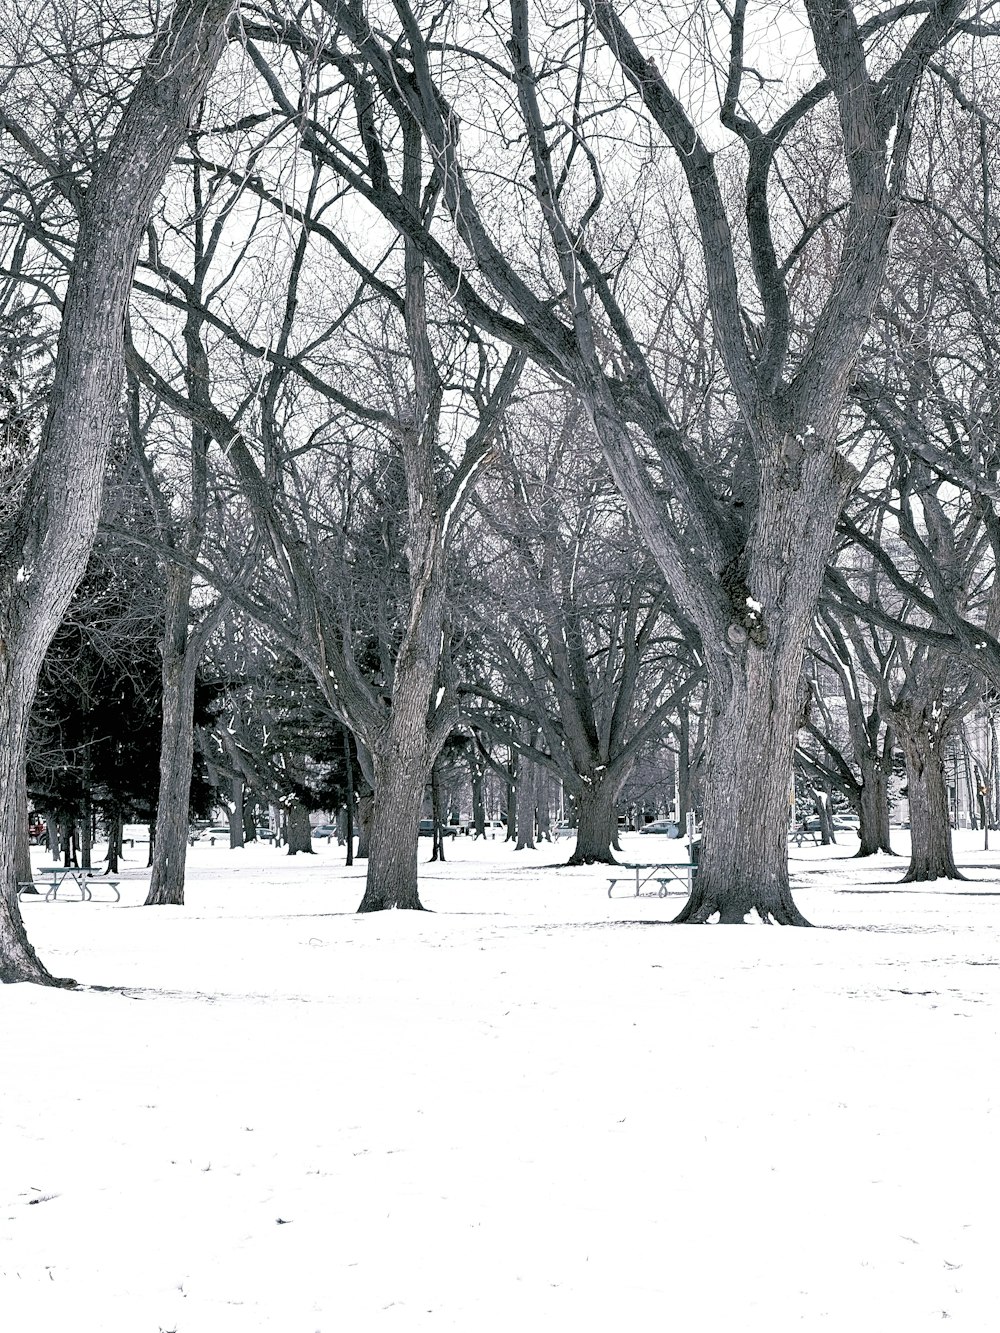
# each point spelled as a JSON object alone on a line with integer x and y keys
{"x": 297, "y": 831}
{"x": 596, "y": 803}
{"x": 166, "y": 885}
{"x": 754, "y": 708}
{"x": 743, "y": 862}
{"x": 873, "y": 810}
{"x": 401, "y": 774}
{"x": 931, "y": 855}
{"x": 403, "y": 755}
{"x": 18, "y": 960}
{"x": 52, "y": 539}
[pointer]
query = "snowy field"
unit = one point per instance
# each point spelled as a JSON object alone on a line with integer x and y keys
{"x": 530, "y": 1109}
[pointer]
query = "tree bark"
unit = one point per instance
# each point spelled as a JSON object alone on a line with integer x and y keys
{"x": 18, "y": 960}
{"x": 437, "y": 851}
{"x": 476, "y": 768}
{"x": 297, "y": 831}
{"x": 596, "y": 803}
{"x": 824, "y": 813}
{"x": 931, "y": 855}
{"x": 873, "y": 809}
{"x": 511, "y": 789}
{"x": 400, "y": 775}
{"x": 366, "y": 802}
{"x": 743, "y": 863}
{"x": 22, "y": 844}
{"x": 180, "y": 665}
{"x": 114, "y": 843}
{"x": 236, "y": 812}
{"x": 527, "y": 781}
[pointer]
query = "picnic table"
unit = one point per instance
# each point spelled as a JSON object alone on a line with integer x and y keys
{"x": 56, "y": 877}
{"x": 800, "y": 833}
{"x": 665, "y": 874}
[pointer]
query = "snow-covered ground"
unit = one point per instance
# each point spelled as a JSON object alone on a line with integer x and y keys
{"x": 532, "y": 1108}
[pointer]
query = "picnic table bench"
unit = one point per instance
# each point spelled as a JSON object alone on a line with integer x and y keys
{"x": 662, "y": 873}
{"x": 798, "y": 835}
{"x": 58, "y": 876}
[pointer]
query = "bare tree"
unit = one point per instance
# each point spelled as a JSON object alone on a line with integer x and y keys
{"x": 579, "y": 636}
{"x": 746, "y": 546}
{"x": 402, "y": 705}
{"x": 47, "y": 539}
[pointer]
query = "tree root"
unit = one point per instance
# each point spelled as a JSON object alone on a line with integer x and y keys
{"x": 920, "y": 877}
{"x": 382, "y": 906}
{"x": 605, "y": 860}
{"x": 697, "y": 913}
{"x": 37, "y": 976}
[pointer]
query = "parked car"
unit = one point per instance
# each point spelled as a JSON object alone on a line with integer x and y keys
{"x": 841, "y": 824}
{"x": 427, "y": 829}
{"x": 327, "y": 831}
{"x": 564, "y": 831}
{"x": 667, "y": 828}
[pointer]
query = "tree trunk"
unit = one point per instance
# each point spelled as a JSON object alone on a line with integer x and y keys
{"x": 235, "y": 813}
{"x": 476, "y": 767}
{"x": 931, "y": 855}
{"x": 743, "y": 862}
{"x": 68, "y": 840}
{"x": 527, "y": 780}
{"x": 297, "y": 831}
{"x": 166, "y": 885}
{"x": 250, "y": 818}
{"x": 596, "y": 804}
{"x": 400, "y": 778}
{"x": 22, "y": 844}
{"x": 512, "y": 776}
{"x": 822, "y": 807}
{"x": 437, "y": 848}
{"x": 18, "y": 960}
{"x": 114, "y": 842}
{"x": 873, "y": 810}
{"x": 366, "y": 803}
{"x": 684, "y": 763}
{"x": 86, "y": 823}
{"x": 54, "y": 532}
